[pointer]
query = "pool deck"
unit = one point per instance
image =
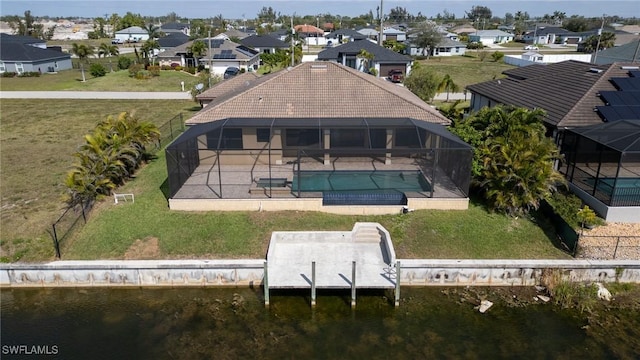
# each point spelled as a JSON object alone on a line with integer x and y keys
{"x": 291, "y": 254}
{"x": 239, "y": 181}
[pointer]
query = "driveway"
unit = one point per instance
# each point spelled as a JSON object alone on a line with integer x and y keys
{"x": 116, "y": 95}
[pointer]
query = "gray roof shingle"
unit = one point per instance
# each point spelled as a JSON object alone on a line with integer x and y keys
{"x": 380, "y": 54}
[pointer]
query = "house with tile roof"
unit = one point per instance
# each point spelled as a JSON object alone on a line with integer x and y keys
{"x": 222, "y": 54}
{"x": 264, "y": 44}
{"x": 19, "y": 54}
{"x": 312, "y": 35}
{"x": 233, "y": 85}
{"x": 567, "y": 91}
{"x": 319, "y": 136}
{"x": 624, "y": 53}
{"x": 383, "y": 60}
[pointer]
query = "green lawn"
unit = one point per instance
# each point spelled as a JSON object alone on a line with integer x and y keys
{"x": 474, "y": 233}
{"x": 37, "y": 140}
{"x": 71, "y": 80}
{"x": 466, "y": 70}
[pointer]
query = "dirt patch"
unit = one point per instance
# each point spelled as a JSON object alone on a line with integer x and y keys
{"x": 146, "y": 249}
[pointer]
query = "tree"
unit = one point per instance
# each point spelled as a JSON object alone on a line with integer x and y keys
{"x": 607, "y": 40}
{"x": 27, "y": 26}
{"x": 558, "y": 17}
{"x": 422, "y": 82}
{"x": 479, "y": 13}
{"x": 197, "y": 50}
{"x": 447, "y": 85}
{"x": 577, "y": 24}
{"x": 153, "y": 31}
{"x": 398, "y": 15}
{"x": 148, "y": 49}
{"x": 497, "y": 56}
{"x": 266, "y": 15}
{"x": 365, "y": 61}
{"x": 513, "y": 163}
{"x": 453, "y": 112}
{"x": 427, "y": 37}
{"x": 83, "y": 52}
{"x": 108, "y": 50}
{"x": 114, "y": 21}
{"x": 129, "y": 20}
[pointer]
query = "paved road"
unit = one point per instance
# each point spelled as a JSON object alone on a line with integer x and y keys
{"x": 142, "y": 95}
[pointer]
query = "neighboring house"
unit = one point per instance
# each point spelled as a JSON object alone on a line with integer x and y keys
{"x": 447, "y": 47}
{"x": 21, "y": 54}
{"x": 394, "y": 34}
{"x": 623, "y": 53}
{"x": 488, "y": 37}
{"x": 264, "y": 44}
{"x": 176, "y": 27}
{"x": 383, "y": 61}
{"x": 223, "y": 54}
{"x": 567, "y": 91}
{"x": 602, "y": 163}
{"x": 280, "y": 34}
{"x": 544, "y": 34}
{"x": 463, "y": 29}
{"x": 232, "y": 34}
{"x": 132, "y": 34}
{"x": 344, "y": 35}
{"x": 371, "y": 34}
{"x": 311, "y": 35}
{"x": 172, "y": 40}
{"x": 319, "y": 136}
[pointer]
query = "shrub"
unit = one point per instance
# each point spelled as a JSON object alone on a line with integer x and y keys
{"x": 474, "y": 45}
{"x": 166, "y": 67}
{"x": 134, "y": 69}
{"x": 30, "y": 74}
{"x": 143, "y": 74}
{"x": 97, "y": 70}
{"x": 497, "y": 56}
{"x": 177, "y": 68}
{"x": 124, "y": 62}
{"x": 9, "y": 74}
{"x": 482, "y": 55}
{"x": 200, "y": 67}
{"x": 154, "y": 70}
{"x": 190, "y": 69}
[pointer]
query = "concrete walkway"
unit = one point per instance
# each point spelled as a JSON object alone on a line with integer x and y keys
{"x": 452, "y": 96}
{"x": 115, "y": 95}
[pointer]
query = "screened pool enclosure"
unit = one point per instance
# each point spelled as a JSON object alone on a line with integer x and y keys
{"x": 604, "y": 161}
{"x": 343, "y": 161}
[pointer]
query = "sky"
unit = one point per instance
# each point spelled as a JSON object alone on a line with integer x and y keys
{"x": 238, "y": 9}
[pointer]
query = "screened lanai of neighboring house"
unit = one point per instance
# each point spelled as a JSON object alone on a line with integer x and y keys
{"x": 604, "y": 161}
{"x": 365, "y": 161}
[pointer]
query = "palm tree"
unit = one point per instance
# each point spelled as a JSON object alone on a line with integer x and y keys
{"x": 83, "y": 52}
{"x": 365, "y": 61}
{"x": 197, "y": 50}
{"x": 148, "y": 49}
{"x": 108, "y": 50}
{"x": 448, "y": 85}
{"x": 153, "y": 31}
{"x": 453, "y": 112}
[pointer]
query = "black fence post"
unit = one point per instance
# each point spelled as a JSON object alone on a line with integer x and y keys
{"x": 56, "y": 244}
{"x": 615, "y": 251}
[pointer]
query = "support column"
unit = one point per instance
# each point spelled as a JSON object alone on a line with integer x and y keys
{"x": 353, "y": 284}
{"x": 397, "y": 302}
{"x": 387, "y": 157}
{"x": 265, "y": 285}
{"x": 313, "y": 284}
{"x": 326, "y": 134}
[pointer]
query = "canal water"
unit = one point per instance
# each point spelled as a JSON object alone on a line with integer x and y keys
{"x": 234, "y": 324}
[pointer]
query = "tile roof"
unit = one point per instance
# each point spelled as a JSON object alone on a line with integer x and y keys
{"x": 264, "y": 41}
{"x": 173, "y": 39}
{"x": 380, "y": 54}
{"x": 308, "y": 29}
{"x": 622, "y": 53}
{"x": 237, "y": 83}
{"x": 319, "y": 90}
{"x": 567, "y": 91}
{"x": 346, "y": 32}
{"x": 14, "y": 51}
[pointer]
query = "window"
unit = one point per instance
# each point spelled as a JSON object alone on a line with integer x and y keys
{"x": 378, "y": 138}
{"x": 302, "y": 137}
{"x": 231, "y": 139}
{"x": 347, "y": 138}
{"x": 407, "y": 138}
{"x": 350, "y": 62}
{"x": 263, "y": 135}
{"x": 2, "y": 67}
{"x": 19, "y": 68}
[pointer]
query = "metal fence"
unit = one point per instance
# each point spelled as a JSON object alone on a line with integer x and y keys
{"x": 609, "y": 247}
{"x": 76, "y": 216}
{"x": 566, "y": 234}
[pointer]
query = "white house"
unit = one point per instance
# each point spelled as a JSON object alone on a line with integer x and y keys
{"x": 488, "y": 37}
{"x": 132, "y": 34}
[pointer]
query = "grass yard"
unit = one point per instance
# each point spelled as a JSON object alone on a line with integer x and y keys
{"x": 71, "y": 80}
{"x": 114, "y": 229}
{"x": 466, "y": 70}
{"x": 37, "y": 141}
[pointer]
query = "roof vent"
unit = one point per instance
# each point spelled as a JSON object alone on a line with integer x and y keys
{"x": 319, "y": 67}
{"x": 630, "y": 67}
{"x": 595, "y": 70}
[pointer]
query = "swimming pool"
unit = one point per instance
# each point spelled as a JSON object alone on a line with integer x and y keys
{"x": 367, "y": 180}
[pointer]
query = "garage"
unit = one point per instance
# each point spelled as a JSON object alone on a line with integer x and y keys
{"x": 385, "y": 68}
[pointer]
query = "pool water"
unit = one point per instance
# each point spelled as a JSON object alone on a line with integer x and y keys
{"x": 379, "y": 180}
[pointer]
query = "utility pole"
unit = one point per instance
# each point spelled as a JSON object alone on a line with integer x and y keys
{"x": 595, "y": 55}
{"x": 381, "y": 23}
{"x": 209, "y": 56}
{"x": 293, "y": 48}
